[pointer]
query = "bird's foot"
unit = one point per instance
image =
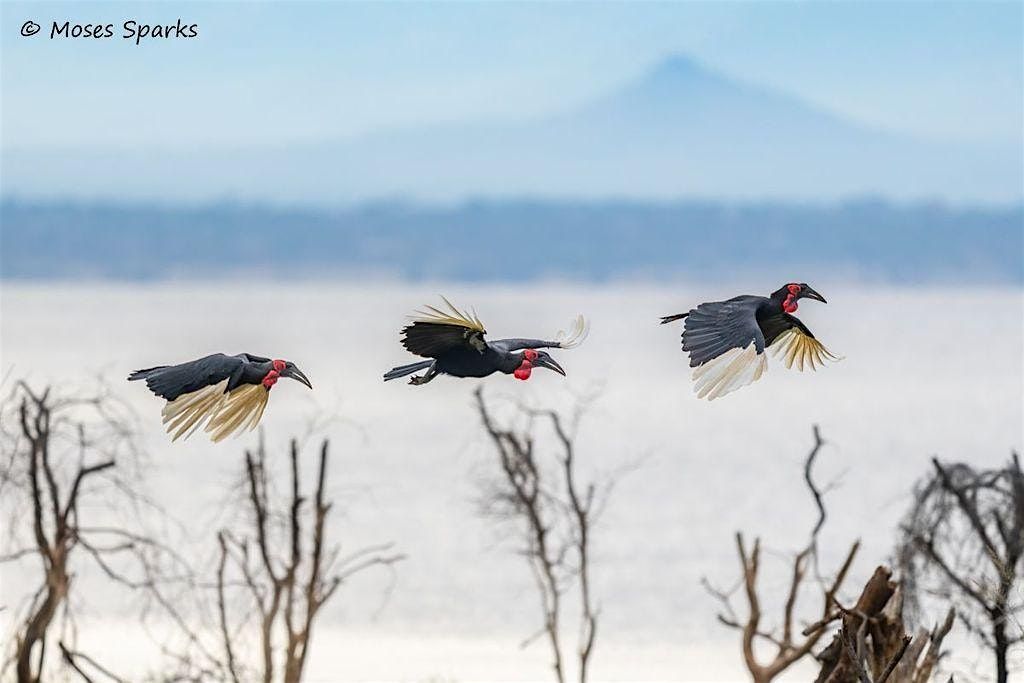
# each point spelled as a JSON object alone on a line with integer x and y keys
{"x": 417, "y": 380}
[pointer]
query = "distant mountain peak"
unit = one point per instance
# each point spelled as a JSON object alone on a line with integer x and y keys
{"x": 676, "y": 76}
{"x": 676, "y": 81}
{"x": 677, "y": 65}
{"x": 678, "y": 71}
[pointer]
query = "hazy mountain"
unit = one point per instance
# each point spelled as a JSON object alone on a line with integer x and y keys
{"x": 679, "y": 131}
{"x": 519, "y": 240}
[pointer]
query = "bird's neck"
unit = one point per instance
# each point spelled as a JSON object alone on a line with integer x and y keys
{"x": 510, "y": 362}
{"x": 783, "y": 300}
{"x": 273, "y": 373}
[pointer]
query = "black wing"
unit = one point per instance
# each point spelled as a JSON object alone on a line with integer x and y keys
{"x": 774, "y": 325}
{"x": 577, "y": 334}
{"x": 714, "y": 328}
{"x": 517, "y": 344}
{"x": 171, "y": 381}
{"x": 431, "y": 340}
{"x": 436, "y": 331}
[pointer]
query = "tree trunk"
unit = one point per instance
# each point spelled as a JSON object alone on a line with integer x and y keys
{"x": 36, "y": 629}
{"x": 1001, "y": 647}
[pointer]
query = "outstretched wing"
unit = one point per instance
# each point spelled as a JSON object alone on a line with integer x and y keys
{"x": 223, "y": 412}
{"x": 726, "y": 346}
{"x": 207, "y": 392}
{"x": 436, "y": 331}
{"x": 188, "y": 412}
{"x": 172, "y": 381}
{"x": 789, "y": 339}
{"x": 578, "y": 332}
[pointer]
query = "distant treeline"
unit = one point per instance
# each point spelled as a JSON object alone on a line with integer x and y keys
{"x": 517, "y": 240}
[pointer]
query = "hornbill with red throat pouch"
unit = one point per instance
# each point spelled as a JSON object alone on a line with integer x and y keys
{"x": 227, "y": 393}
{"x": 454, "y": 342}
{"x": 726, "y": 339}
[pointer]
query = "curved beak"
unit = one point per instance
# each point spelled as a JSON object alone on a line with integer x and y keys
{"x": 297, "y": 375}
{"x": 549, "y": 363}
{"x": 809, "y": 293}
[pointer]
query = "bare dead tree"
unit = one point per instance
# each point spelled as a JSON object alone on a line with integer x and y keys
{"x": 556, "y": 513}
{"x": 790, "y": 643}
{"x": 872, "y": 645}
{"x": 62, "y": 459}
{"x": 963, "y": 542}
{"x": 272, "y": 578}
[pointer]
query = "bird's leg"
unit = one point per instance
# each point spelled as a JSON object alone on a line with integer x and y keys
{"x": 424, "y": 378}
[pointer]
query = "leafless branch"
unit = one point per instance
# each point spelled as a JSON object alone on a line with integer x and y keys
{"x": 63, "y": 456}
{"x": 273, "y": 575}
{"x": 788, "y": 649}
{"x": 556, "y": 514}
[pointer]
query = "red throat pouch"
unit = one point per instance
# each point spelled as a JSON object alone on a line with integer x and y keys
{"x": 790, "y": 305}
{"x": 523, "y": 371}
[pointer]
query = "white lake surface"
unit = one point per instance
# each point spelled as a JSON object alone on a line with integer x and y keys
{"x": 926, "y": 372}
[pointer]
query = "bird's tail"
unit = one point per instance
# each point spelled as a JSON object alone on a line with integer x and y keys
{"x": 403, "y": 370}
{"x": 673, "y": 318}
{"x": 144, "y": 374}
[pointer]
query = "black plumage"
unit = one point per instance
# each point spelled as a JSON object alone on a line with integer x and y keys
{"x": 455, "y": 344}
{"x": 171, "y": 381}
{"x": 713, "y": 328}
{"x": 726, "y": 340}
{"x": 223, "y": 392}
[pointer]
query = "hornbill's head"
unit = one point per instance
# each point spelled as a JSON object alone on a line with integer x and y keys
{"x": 790, "y": 293}
{"x": 286, "y": 368}
{"x": 532, "y": 358}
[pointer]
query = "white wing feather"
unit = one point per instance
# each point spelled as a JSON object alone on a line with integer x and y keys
{"x": 452, "y": 316}
{"x": 222, "y": 413}
{"x": 728, "y": 372}
{"x": 796, "y": 348}
{"x": 578, "y": 333}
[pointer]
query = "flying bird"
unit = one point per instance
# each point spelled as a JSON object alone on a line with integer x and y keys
{"x": 227, "y": 393}
{"x": 454, "y": 343}
{"x": 726, "y": 339}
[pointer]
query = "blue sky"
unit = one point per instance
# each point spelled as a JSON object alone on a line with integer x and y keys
{"x": 279, "y": 73}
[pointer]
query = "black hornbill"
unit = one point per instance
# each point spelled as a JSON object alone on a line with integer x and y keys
{"x": 726, "y": 339}
{"x": 454, "y": 342}
{"x": 228, "y": 393}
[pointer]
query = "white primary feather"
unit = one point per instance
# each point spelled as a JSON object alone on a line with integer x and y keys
{"x": 577, "y": 333}
{"x": 242, "y": 410}
{"x": 452, "y": 316}
{"x": 185, "y": 414}
{"x": 222, "y": 413}
{"x": 795, "y": 347}
{"x": 728, "y": 372}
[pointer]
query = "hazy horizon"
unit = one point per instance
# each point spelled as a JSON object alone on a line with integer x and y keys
{"x": 868, "y": 241}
